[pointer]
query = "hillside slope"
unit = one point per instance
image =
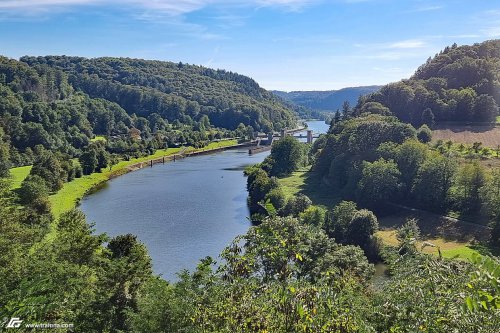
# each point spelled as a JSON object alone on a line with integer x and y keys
{"x": 61, "y": 103}
{"x": 461, "y": 84}
{"x": 326, "y": 101}
{"x": 173, "y": 90}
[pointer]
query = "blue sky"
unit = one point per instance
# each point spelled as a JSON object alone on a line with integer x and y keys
{"x": 282, "y": 44}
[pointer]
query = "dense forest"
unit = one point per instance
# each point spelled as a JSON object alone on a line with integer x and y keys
{"x": 460, "y": 84}
{"x": 61, "y": 104}
{"x": 303, "y": 267}
{"x": 326, "y": 101}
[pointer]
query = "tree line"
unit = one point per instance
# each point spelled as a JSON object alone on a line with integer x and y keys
{"x": 461, "y": 84}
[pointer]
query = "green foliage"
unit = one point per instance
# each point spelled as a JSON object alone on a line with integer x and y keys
{"x": 433, "y": 182}
{"x": 429, "y": 295}
{"x": 4, "y": 157}
{"x": 470, "y": 178}
{"x": 35, "y": 194}
{"x": 428, "y": 118}
{"x": 296, "y": 205}
{"x": 174, "y": 92}
{"x": 287, "y": 155}
{"x": 259, "y": 184}
{"x": 484, "y": 285}
{"x": 379, "y": 183}
{"x": 408, "y": 234}
{"x": 424, "y": 134}
{"x": 362, "y": 227}
{"x": 458, "y": 84}
{"x": 276, "y": 197}
{"x": 341, "y": 216}
{"x": 133, "y": 107}
{"x": 94, "y": 159}
{"x": 48, "y": 167}
{"x": 314, "y": 215}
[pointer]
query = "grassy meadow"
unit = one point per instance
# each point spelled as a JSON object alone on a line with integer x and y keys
{"x": 72, "y": 192}
{"x": 454, "y": 239}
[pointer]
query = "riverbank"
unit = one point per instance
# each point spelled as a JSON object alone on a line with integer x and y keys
{"x": 68, "y": 197}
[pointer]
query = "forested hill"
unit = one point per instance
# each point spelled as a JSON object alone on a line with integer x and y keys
{"x": 326, "y": 101}
{"x": 461, "y": 83}
{"x": 172, "y": 90}
{"x": 62, "y": 103}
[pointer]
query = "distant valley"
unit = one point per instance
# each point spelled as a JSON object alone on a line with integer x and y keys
{"x": 326, "y": 101}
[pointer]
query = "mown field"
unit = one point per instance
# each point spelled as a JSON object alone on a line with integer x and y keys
{"x": 69, "y": 196}
{"x": 454, "y": 238}
{"x": 489, "y": 136}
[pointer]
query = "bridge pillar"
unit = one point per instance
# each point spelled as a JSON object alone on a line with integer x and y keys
{"x": 270, "y": 138}
{"x": 283, "y": 133}
{"x": 309, "y": 136}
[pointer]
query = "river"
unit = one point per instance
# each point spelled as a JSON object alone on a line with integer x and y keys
{"x": 182, "y": 211}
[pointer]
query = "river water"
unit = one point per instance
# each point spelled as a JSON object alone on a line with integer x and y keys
{"x": 182, "y": 211}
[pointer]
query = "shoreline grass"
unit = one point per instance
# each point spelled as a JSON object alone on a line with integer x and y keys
{"x": 72, "y": 192}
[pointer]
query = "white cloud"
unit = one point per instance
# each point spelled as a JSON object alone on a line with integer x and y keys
{"x": 426, "y": 9}
{"x": 407, "y": 44}
{"x": 171, "y": 7}
{"x": 491, "y": 32}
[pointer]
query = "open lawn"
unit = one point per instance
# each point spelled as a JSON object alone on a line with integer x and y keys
{"x": 305, "y": 182}
{"x": 449, "y": 249}
{"x": 98, "y": 138}
{"x": 67, "y": 198}
{"x": 453, "y": 237}
{"x": 489, "y": 136}
{"x": 18, "y": 174}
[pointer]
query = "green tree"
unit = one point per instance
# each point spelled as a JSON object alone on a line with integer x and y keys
{"x": 314, "y": 215}
{"x": 4, "y": 157}
{"x": 48, "y": 167}
{"x": 428, "y": 117}
{"x": 361, "y": 228}
{"x": 89, "y": 161}
{"x": 409, "y": 157}
{"x": 35, "y": 194}
{"x": 276, "y": 197}
{"x": 424, "y": 134}
{"x": 287, "y": 154}
{"x": 485, "y": 108}
{"x": 433, "y": 182}
{"x": 296, "y": 205}
{"x": 470, "y": 178}
{"x": 408, "y": 235}
{"x": 380, "y": 182}
{"x": 340, "y": 218}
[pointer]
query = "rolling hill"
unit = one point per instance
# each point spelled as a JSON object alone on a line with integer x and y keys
{"x": 326, "y": 101}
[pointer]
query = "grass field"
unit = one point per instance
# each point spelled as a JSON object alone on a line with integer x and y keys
{"x": 449, "y": 249}
{"x": 454, "y": 238}
{"x": 489, "y": 136}
{"x": 18, "y": 175}
{"x": 67, "y": 198}
{"x": 303, "y": 181}
{"x": 98, "y": 138}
